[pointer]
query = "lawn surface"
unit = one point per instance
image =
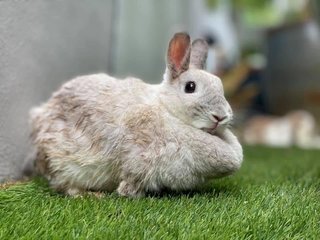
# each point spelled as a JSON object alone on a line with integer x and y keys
{"x": 275, "y": 195}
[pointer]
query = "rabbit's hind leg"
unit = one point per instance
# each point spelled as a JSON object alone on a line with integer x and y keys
{"x": 128, "y": 189}
{"x": 64, "y": 187}
{"x": 79, "y": 193}
{"x": 74, "y": 192}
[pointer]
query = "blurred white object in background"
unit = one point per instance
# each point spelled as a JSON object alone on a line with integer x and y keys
{"x": 297, "y": 128}
{"x": 218, "y": 23}
{"x": 285, "y": 7}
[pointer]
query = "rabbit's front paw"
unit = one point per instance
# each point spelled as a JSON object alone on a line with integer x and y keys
{"x": 127, "y": 189}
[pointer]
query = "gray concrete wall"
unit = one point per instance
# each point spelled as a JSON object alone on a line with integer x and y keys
{"x": 143, "y": 30}
{"x": 43, "y": 43}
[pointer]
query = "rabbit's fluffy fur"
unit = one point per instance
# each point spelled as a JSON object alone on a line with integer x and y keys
{"x": 99, "y": 133}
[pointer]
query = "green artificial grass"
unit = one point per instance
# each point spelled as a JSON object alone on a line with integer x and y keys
{"x": 275, "y": 195}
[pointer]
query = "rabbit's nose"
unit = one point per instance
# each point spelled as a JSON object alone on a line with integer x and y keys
{"x": 219, "y": 118}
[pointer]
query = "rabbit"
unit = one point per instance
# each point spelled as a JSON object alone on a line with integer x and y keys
{"x": 99, "y": 133}
{"x": 296, "y": 128}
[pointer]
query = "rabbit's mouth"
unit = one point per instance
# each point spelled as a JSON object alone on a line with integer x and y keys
{"x": 212, "y": 129}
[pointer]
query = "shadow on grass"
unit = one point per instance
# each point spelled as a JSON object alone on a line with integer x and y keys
{"x": 208, "y": 190}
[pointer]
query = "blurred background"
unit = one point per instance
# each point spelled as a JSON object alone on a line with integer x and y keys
{"x": 266, "y": 52}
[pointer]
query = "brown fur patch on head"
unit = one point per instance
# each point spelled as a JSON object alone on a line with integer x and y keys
{"x": 178, "y": 57}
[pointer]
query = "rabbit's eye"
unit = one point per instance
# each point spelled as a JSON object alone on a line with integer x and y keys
{"x": 190, "y": 87}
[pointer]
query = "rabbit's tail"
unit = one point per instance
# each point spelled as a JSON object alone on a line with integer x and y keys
{"x": 35, "y": 163}
{"x": 29, "y": 169}
{"x": 34, "y": 156}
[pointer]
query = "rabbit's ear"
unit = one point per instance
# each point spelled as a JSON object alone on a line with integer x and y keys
{"x": 199, "y": 52}
{"x": 178, "y": 57}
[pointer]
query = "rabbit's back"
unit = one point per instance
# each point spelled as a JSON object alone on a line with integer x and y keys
{"x": 79, "y": 130}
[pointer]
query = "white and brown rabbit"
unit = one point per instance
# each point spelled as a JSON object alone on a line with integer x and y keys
{"x": 296, "y": 128}
{"x": 98, "y": 133}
